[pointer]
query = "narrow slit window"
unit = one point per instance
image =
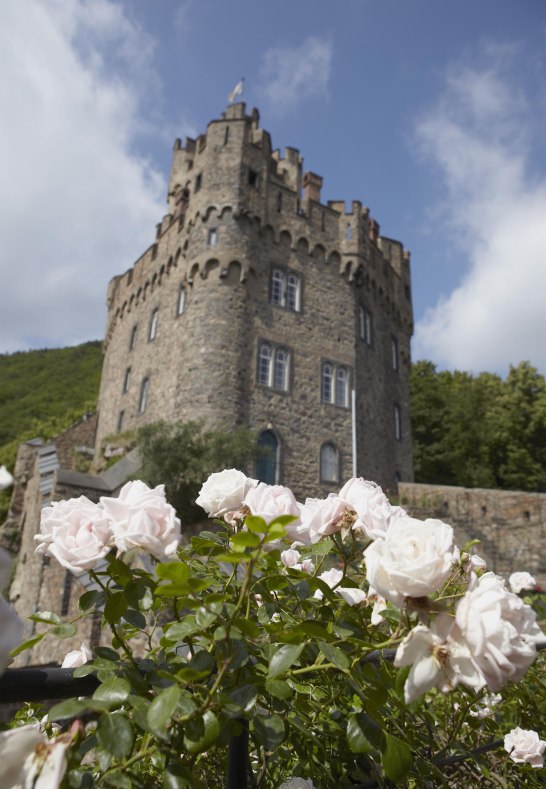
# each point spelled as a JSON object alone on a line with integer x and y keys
{"x": 394, "y": 353}
{"x": 181, "y": 303}
{"x": 153, "y": 324}
{"x": 127, "y": 380}
{"x": 144, "y": 393}
{"x": 132, "y": 339}
{"x": 397, "y": 423}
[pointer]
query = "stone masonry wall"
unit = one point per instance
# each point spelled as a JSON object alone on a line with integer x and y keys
{"x": 510, "y": 525}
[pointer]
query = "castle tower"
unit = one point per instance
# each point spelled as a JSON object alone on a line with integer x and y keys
{"x": 259, "y": 305}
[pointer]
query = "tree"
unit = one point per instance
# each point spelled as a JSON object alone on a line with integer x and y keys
{"x": 183, "y": 454}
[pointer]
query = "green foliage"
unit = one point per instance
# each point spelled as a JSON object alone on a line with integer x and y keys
{"x": 183, "y": 454}
{"x": 479, "y": 431}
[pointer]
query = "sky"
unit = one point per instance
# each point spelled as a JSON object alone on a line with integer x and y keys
{"x": 431, "y": 112}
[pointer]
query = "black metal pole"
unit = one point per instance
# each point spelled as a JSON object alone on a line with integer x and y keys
{"x": 237, "y": 775}
{"x": 40, "y": 684}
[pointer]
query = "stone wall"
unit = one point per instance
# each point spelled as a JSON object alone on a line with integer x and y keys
{"x": 510, "y": 525}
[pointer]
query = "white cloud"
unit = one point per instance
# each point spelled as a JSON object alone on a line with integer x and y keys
{"x": 290, "y": 75}
{"x": 78, "y": 204}
{"x": 479, "y": 136}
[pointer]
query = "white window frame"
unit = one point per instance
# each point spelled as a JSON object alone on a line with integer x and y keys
{"x": 273, "y": 369}
{"x": 285, "y": 289}
{"x": 335, "y": 381}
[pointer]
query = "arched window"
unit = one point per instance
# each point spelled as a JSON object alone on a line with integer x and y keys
{"x": 132, "y": 339}
{"x": 327, "y": 390}
{"x": 280, "y": 380}
{"x": 153, "y": 324}
{"x": 181, "y": 303}
{"x": 265, "y": 364}
{"x": 329, "y": 463}
{"x": 397, "y": 423}
{"x": 293, "y": 292}
{"x": 342, "y": 388}
{"x": 278, "y": 285}
{"x": 143, "y": 399}
{"x": 267, "y": 464}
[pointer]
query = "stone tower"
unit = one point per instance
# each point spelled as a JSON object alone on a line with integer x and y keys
{"x": 259, "y": 305}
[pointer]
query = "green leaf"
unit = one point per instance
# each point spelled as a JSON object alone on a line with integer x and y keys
{"x": 283, "y": 658}
{"x": 116, "y": 605}
{"x": 357, "y": 740}
{"x": 275, "y": 531}
{"x": 247, "y": 626}
{"x": 70, "y": 708}
{"x": 179, "y": 631}
{"x": 177, "y": 572}
{"x": 115, "y": 734}
{"x": 245, "y": 539}
{"x": 204, "y": 618}
{"x": 396, "y": 758}
{"x": 209, "y": 736}
{"x": 106, "y": 653}
{"x": 255, "y": 524}
{"x": 269, "y": 730}
{"x": 334, "y": 655}
{"x": 26, "y": 644}
{"x": 135, "y": 618}
{"x": 114, "y": 691}
{"x": 162, "y": 707}
{"x": 87, "y": 600}
{"x": 244, "y": 697}
{"x": 279, "y": 688}
{"x": 46, "y": 616}
{"x": 64, "y": 631}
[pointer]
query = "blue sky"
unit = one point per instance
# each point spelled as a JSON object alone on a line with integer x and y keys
{"x": 431, "y": 112}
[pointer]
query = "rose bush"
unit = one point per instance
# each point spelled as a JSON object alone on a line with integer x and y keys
{"x": 349, "y": 643}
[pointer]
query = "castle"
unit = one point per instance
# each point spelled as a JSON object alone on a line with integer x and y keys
{"x": 258, "y": 305}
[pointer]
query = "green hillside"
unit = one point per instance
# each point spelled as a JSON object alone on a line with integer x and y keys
{"x": 43, "y": 392}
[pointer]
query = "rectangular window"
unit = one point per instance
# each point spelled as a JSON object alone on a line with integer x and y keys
{"x": 397, "y": 424}
{"x": 285, "y": 289}
{"x": 212, "y": 237}
{"x": 253, "y": 178}
{"x": 273, "y": 367}
{"x": 132, "y": 339}
{"x": 153, "y": 325}
{"x": 198, "y": 182}
{"x": 127, "y": 380}
{"x": 334, "y": 384}
{"x": 394, "y": 353}
{"x": 365, "y": 325}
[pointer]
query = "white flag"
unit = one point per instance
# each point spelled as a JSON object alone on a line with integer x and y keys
{"x": 237, "y": 90}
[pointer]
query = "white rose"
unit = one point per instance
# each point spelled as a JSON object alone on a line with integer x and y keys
{"x": 76, "y": 532}
{"x": 224, "y": 491}
{"x": 499, "y": 629}
{"x": 11, "y": 632}
{"x": 413, "y": 560}
{"x": 307, "y": 566}
{"x": 520, "y": 581}
{"x": 485, "y": 709}
{"x": 372, "y": 507}
{"x": 77, "y": 657}
{"x": 525, "y": 747}
{"x": 350, "y": 594}
{"x": 142, "y": 518}
{"x": 15, "y": 746}
{"x": 298, "y": 783}
{"x": 270, "y": 501}
{"x": 436, "y": 661}
{"x": 290, "y": 558}
{"x": 6, "y": 480}
{"x": 321, "y": 517}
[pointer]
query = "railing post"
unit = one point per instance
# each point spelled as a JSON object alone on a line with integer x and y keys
{"x": 237, "y": 775}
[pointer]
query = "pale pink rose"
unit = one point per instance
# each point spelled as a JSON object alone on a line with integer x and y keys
{"x": 290, "y": 558}
{"x": 270, "y": 501}
{"x": 371, "y": 506}
{"x": 76, "y": 532}
{"x": 499, "y": 629}
{"x": 224, "y": 491}
{"x": 413, "y": 560}
{"x": 77, "y": 657}
{"x": 307, "y": 566}
{"x": 436, "y": 661}
{"x": 142, "y": 518}
{"x": 525, "y": 747}
{"x": 16, "y": 745}
{"x": 321, "y": 517}
{"x": 11, "y": 632}
{"x": 350, "y": 594}
{"x": 520, "y": 581}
